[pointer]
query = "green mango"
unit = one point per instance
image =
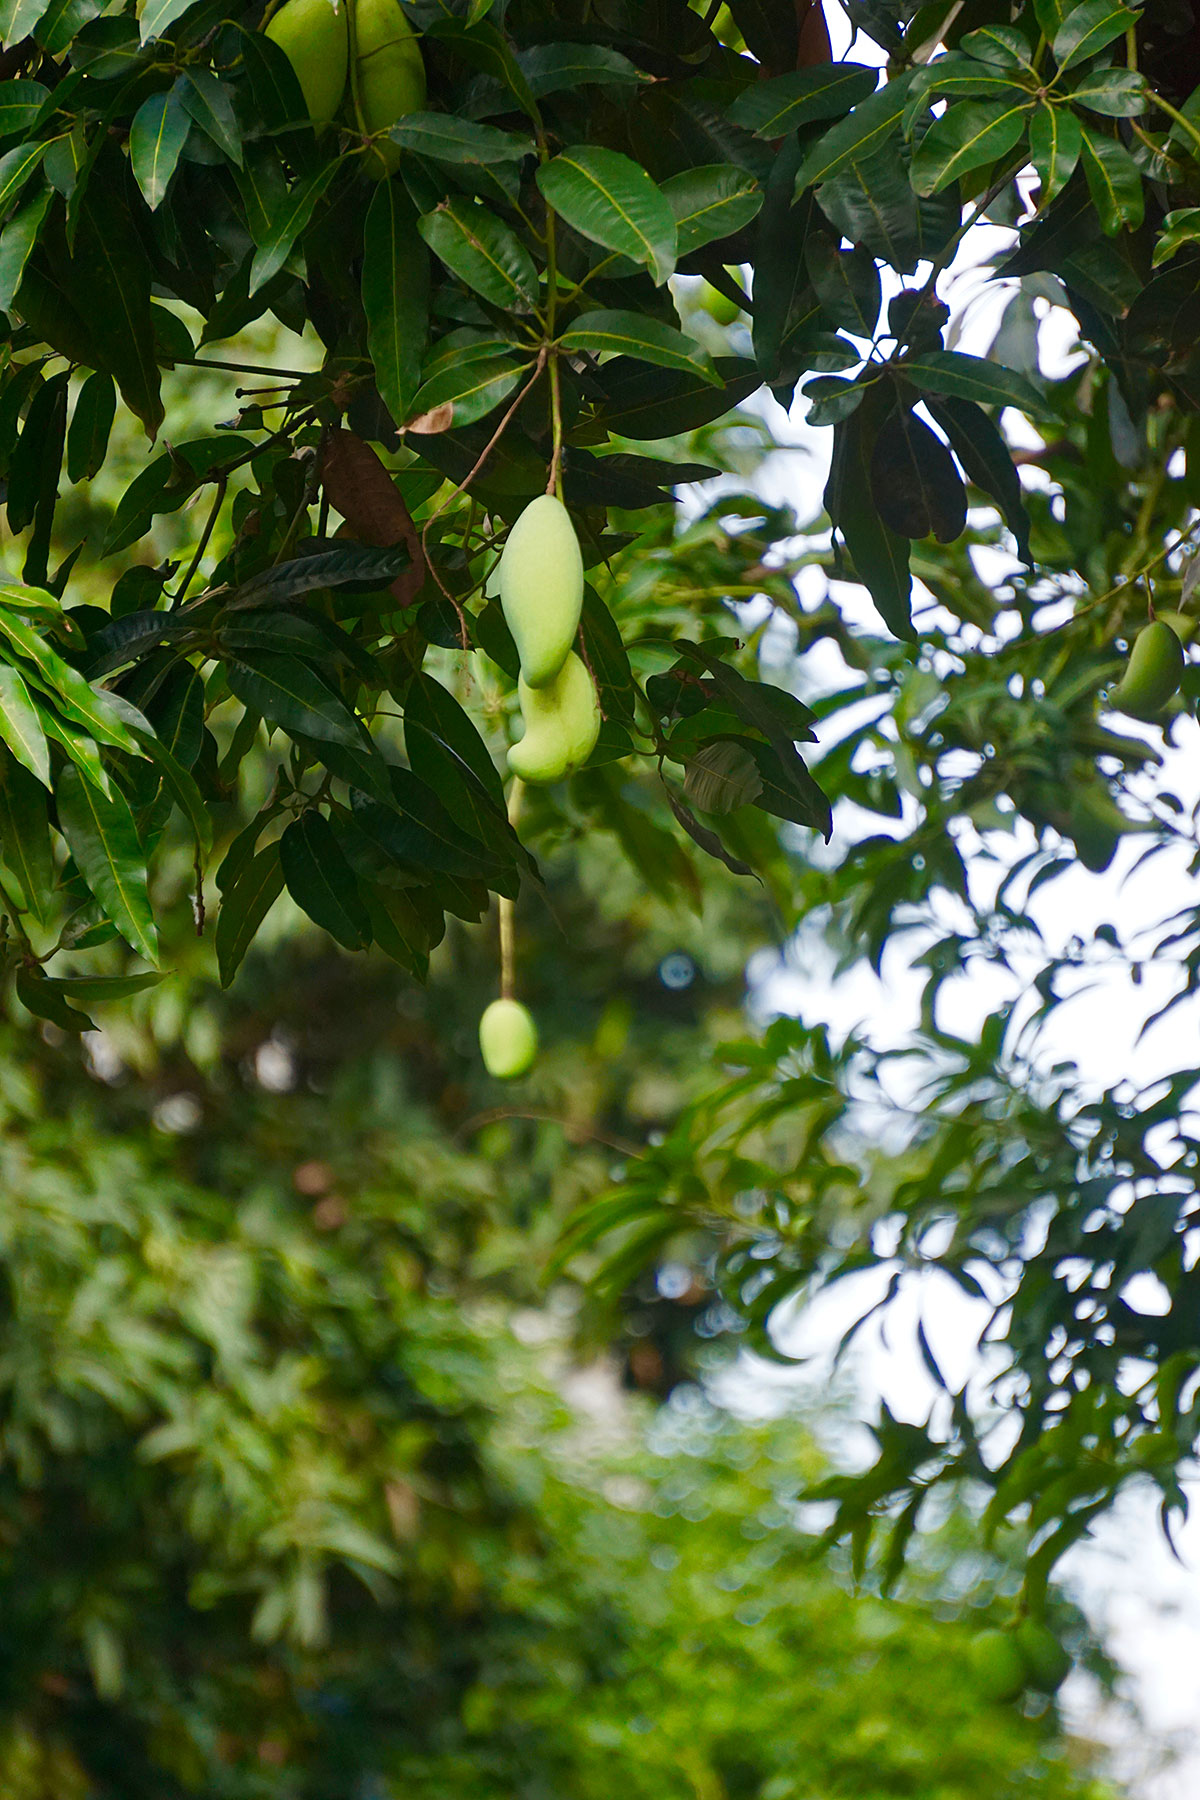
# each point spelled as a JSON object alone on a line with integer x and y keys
{"x": 313, "y": 35}
{"x": 1046, "y": 1662}
{"x": 1182, "y": 624}
{"x": 389, "y": 76}
{"x": 1153, "y": 675}
{"x": 996, "y": 1662}
{"x": 541, "y": 587}
{"x": 562, "y": 723}
{"x": 1095, "y": 823}
{"x": 508, "y": 1039}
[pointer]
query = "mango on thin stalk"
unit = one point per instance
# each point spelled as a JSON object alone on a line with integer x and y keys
{"x": 1046, "y": 1660}
{"x": 508, "y": 1039}
{"x": 1153, "y": 675}
{"x": 541, "y": 588}
{"x": 388, "y": 79}
{"x": 314, "y": 37}
{"x": 562, "y": 723}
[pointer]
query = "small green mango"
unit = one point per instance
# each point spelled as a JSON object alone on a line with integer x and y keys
{"x": 1046, "y": 1661}
{"x": 508, "y": 1039}
{"x": 997, "y": 1664}
{"x": 562, "y": 723}
{"x": 1153, "y": 675}
{"x": 313, "y": 36}
{"x": 389, "y": 75}
{"x": 541, "y": 588}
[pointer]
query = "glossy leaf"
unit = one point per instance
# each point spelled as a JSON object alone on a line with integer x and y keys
{"x": 968, "y": 136}
{"x": 395, "y": 296}
{"x": 610, "y": 199}
{"x": 1055, "y": 141}
{"x": 1088, "y": 29}
{"x": 278, "y": 242}
{"x": 646, "y": 339}
{"x": 1114, "y": 181}
{"x": 711, "y": 203}
{"x": 290, "y": 693}
{"x": 21, "y": 725}
{"x": 867, "y": 128}
{"x": 484, "y": 252}
{"x": 156, "y": 138}
{"x": 25, "y": 837}
{"x": 551, "y": 68}
{"x": 452, "y": 140}
{"x": 244, "y": 906}
{"x": 210, "y": 103}
{"x": 17, "y": 241}
{"x": 784, "y": 103}
{"x": 104, "y": 843}
{"x": 16, "y": 167}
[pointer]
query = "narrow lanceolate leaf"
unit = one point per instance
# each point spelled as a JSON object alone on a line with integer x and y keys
{"x": 321, "y": 881}
{"x": 21, "y": 104}
{"x": 610, "y": 199}
{"x": 462, "y": 392}
{"x": 549, "y": 68}
{"x": 1088, "y": 29}
{"x": 979, "y": 446}
{"x": 869, "y": 126}
{"x": 710, "y": 203}
{"x": 244, "y": 906}
{"x": 966, "y": 137}
{"x": 156, "y": 137}
{"x": 104, "y": 842}
{"x": 972, "y": 378}
{"x": 917, "y": 489}
{"x": 1055, "y": 140}
{"x": 21, "y": 724}
{"x": 91, "y": 425}
{"x": 395, "y": 293}
{"x": 25, "y": 837}
{"x": 113, "y": 272}
{"x": 968, "y": 78}
{"x": 16, "y": 245}
{"x": 92, "y": 708}
{"x": 209, "y": 102}
{"x": 1114, "y": 182}
{"x": 277, "y": 246}
{"x": 16, "y": 166}
{"x": 481, "y": 249}
{"x": 40, "y": 996}
{"x": 632, "y": 334}
{"x": 770, "y": 109}
{"x": 880, "y": 556}
{"x": 1179, "y": 228}
{"x": 289, "y": 693}
{"x": 451, "y": 140}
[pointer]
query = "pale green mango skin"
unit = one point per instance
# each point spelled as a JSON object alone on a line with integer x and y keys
{"x": 1153, "y": 675}
{"x": 562, "y": 723}
{"x": 999, "y": 1668}
{"x": 508, "y": 1040}
{"x": 390, "y": 76}
{"x": 1047, "y": 1661}
{"x": 315, "y": 39}
{"x": 541, "y": 588}
{"x": 1182, "y": 624}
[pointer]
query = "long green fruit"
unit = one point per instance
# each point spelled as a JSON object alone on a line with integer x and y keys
{"x": 314, "y": 37}
{"x": 541, "y": 588}
{"x": 1153, "y": 675}
{"x": 562, "y": 723}
{"x": 389, "y": 76}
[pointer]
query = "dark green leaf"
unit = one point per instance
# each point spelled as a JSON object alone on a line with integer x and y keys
{"x": 462, "y": 392}
{"x": 104, "y": 843}
{"x": 91, "y": 424}
{"x": 1088, "y": 29}
{"x": 880, "y": 556}
{"x": 16, "y": 167}
{"x": 1113, "y": 179}
{"x": 635, "y": 334}
{"x": 321, "y": 881}
{"x": 244, "y": 906}
{"x": 1055, "y": 140}
{"x": 111, "y": 268}
{"x": 972, "y": 378}
{"x": 915, "y": 485}
{"x": 25, "y": 837}
{"x": 610, "y": 199}
{"x": 980, "y": 448}
{"x": 274, "y": 251}
{"x": 209, "y": 102}
{"x": 772, "y": 108}
{"x": 1118, "y": 93}
{"x": 43, "y": 997}
{"x": 867, "y": 128}
{"x": 395, "y": 295}
{"x": 968, "y": 136}
{"x": 350, "y": 565}
{"x": 17, "y": 241}
{"x": 549, "y": 68}
{"x": 644, "y": 403}
{"x": 451, "y": 140}
{"x": 846, "y": 283}
{"x": 289, "y": 693}
{"x": 484, "y": 252}
{"x": 158, "y": 14}
{"x": 156, "y": 137}
{"x": 21, "y": 105}
{"x": 711, "y": 203}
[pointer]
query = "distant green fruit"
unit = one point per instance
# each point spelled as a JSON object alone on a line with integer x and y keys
{"x": 1095, "y": 823}
{"x": 997, "y": 1664}
{"x": 389, "y": 76}
{"x": 541, "y": 588}
{"x": 508, "y": 1039}
{"x": 562, "y": 723}
{"x": 1046, "y": 1661}
{"x": 1153, "y": 675}
{"x": 313, "y": 36}
{"x": 717, "y": 305}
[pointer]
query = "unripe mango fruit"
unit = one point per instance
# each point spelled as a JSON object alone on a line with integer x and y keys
{"x": 1095, "y": 823}
{"x": 1154, "y": 672}
{"x": 541, "y": 588}
{"x": 999, "y": 1668}
{"x": 1182, "y": 624}
{"x": 313, "y": 35}
{"x": 562, "y": 723}
{"x": 389, "y": 76}
{"x": 1046, "y": 1661}
{"x": 508, "y": 1039}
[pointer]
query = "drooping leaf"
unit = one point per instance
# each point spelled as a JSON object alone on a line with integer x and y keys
{"x": 156, "y": 138}
{"x": 291, "y": 694}
{"x": 772, "y": 108}
{"x": 17, "y": 241}
{"x": 1114, "y": 180}
{"x": 880, "y": 555}
{"x": 1055, "y": 141}
{"x": 610, "y": 199}
{"x": 91, "y": 426}
{"x": 244, "y": 905}
{"x": 293, "y": 217}
{"x": 916, "y": 488}
{"x": 395, "y": 294}
{"x": 207, "y": 100}
{"x": 111, "y": 267}
{"x": 866, "y": 129}
{"x": 104, "y": 842}
{"x": 21, "y": 725}
{"x": 25, "y": 837}
{"x": 321, "y": 881}
{"x": 980, "y": 448}
{"x": 16, "y": 167}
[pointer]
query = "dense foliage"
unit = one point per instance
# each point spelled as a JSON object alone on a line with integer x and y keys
{"x": 315, "y": 691}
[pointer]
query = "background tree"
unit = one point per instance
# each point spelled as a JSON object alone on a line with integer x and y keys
{"x": 480, "y": 299}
